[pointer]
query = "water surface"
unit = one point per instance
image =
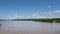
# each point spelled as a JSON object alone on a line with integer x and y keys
{"x": 29, "y": 27}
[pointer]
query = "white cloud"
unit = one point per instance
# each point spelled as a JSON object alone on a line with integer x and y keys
{"x": 57, "y": 11}
{"x": 49, "y": 6}
{"x": 50, "y": 13}
{"x": 53, "y": 12}
{"x": 35, "y": 15}
{"x": 14, "y": 16}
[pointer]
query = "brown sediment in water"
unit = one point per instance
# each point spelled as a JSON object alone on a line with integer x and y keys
{"x": 6, "y": 31}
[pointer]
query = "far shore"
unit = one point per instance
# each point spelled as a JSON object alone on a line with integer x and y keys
{"x": 51, "y": 20}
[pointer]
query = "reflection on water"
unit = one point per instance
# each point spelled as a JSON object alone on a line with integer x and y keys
{"x": 29, "y": 27}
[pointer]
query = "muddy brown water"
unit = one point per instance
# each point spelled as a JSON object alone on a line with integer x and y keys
{"x": 28, "y": 27}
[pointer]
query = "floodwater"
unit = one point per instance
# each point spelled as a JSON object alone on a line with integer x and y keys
{"x": 28, "y": 27}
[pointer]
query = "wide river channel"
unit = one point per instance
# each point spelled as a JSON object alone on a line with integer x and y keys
{"x": 29, "y": 27}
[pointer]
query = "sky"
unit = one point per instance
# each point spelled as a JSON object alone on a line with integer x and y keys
{"x": 11, "y": 9}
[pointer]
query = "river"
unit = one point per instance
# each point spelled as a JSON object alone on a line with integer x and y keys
{"x": 29, "y": 27}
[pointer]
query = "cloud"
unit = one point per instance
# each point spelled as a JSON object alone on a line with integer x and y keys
{"x": 35, "y": 15}
{"x": 15, "y": 16}
{"x": 49, "y": 6}
{"x": 50, "y": 13}
{"x": 53, "y": 12}
{"x": 57, "y": 11}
